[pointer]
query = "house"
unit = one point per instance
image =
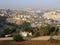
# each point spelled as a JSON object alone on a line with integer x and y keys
{"x": 8, "y": 35}
{"x": 25, "y": 34}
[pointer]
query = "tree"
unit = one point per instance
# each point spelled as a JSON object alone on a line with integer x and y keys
{"x": 26, "y": 27}
{"x": 18, "y": 38}
{"x": 9, "y": 31}
{"x": 53, "y": 30}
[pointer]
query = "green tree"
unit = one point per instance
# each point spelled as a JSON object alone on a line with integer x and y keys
{"x": 9, "y": 31}
{"x": 53, "y": 30}
{"x": 26, "y": 27}
{"x": 18, "y": 38}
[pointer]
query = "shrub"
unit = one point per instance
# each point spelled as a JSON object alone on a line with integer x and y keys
{"x": 53, "y": 40}
{"x": 18, "y": 38}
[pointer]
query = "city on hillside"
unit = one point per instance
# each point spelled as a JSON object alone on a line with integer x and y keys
{"x": 29, "y": 22}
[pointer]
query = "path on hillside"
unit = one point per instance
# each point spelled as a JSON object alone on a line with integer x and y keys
{"x": 46, "y": 38}
{"x": 37, "y": 38}
{"x": 9, "y": 38}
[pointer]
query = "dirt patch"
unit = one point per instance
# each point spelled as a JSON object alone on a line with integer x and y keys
{"x": 31, "y": 42}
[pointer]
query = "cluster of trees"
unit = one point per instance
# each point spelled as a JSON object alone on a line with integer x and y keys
{"x": 7, "y": 31}
{"x": 26, "y": 27}
{"x": 46, "y": 30}
{"x": 36, "y": 31}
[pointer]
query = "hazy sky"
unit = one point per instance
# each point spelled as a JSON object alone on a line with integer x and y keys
{"x": 30, "y": 4}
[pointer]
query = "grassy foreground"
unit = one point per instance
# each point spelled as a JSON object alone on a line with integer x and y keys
{"x": 31, "y": 42}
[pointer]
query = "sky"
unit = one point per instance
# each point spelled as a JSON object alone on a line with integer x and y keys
{"x": 30, "y": 4}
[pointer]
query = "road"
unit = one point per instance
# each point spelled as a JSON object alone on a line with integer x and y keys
{"x": 46, "y": 38}
{"x": 9, "y": 38}
{"x": 37, "y": 38}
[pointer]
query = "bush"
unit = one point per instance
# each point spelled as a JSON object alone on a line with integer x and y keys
{"x": 53, "y": 40}
{"x": 18, "y": 38}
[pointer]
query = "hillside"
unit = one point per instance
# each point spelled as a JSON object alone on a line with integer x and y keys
{"x": 55, "y": 15}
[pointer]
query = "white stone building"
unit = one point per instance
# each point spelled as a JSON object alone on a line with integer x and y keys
{"x": 25, "y": 34}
